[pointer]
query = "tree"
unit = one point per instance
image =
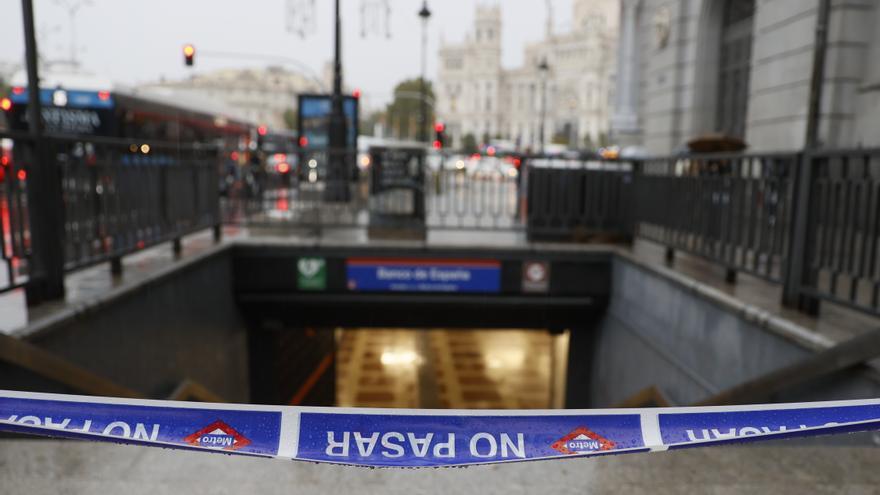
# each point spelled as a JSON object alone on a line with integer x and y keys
{"x": 403, "y": 112}
{"x": 290, "y": 119}
{"x": 469, "y": 144}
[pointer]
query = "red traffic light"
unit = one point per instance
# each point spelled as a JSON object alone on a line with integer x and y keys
{"x": 262, "y": 130}
{"x": 189, "y": 53}
{"x": 437, "y": 145}
{"x": 356, "y": 93}
{"x": 439, "y": 127}
{"x": 303, "y": 142}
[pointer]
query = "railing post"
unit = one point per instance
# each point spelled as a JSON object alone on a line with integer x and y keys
{"x": 116, "y": 266}
{"x": 177, "y": 247}
{"x": 214, "y": 188}
{"x": 669, "y": 255}
{"x": 631, "y": 206}
{"x": 798, "y": 274}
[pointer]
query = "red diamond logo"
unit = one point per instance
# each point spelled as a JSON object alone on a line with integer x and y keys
{"x": 581, "y": 441}
{"x": 218, "y": 435}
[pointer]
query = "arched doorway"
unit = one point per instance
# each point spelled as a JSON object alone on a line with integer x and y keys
{"x": 734, "y": 66}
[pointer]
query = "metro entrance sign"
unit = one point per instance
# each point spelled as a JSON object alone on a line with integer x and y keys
{"x": 414, "y": 275}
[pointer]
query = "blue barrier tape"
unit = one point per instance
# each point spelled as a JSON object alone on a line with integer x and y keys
{"x": 420, "y": 438}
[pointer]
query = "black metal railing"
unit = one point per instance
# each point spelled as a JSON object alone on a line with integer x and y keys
{"x": 14, "y": 222}
{"x": 456, "y": 194}
{"x": 732, "y": 209}
{"x": 840, "y": 229}
{"x": 305, "y": 193}
{"x": 809, "y": 221}
{"x": 579, "y": 199}
{"x": 546, "y": 197}
{"x": 118, "y": 197}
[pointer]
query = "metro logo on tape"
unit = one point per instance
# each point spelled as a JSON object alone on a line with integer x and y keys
{"x": 582, "y": 441}
{"x": 256, "y": 432}
{"x": 413, "y": 440}
{"x": 218, "y": 435}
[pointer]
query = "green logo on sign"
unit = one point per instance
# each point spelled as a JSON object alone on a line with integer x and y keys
{"x": 312, "y": 274}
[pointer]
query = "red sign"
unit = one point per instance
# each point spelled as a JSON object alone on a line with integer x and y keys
{"x": 582, "y": 441}
{"x": 218, "y": 435}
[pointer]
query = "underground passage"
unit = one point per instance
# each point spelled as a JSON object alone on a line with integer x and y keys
{"x": 281, "y": 323}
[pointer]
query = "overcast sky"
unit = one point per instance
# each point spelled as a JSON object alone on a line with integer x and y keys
{"x": 132, "y": 41}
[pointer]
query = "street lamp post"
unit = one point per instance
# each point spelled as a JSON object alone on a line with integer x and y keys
{"x": 337, "y": 185}
{"x": 424, "y": 14}
{"x": 544, "y": 69}
{"x": 44, "y": 194}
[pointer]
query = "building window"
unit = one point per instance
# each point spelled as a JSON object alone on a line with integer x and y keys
{"x": 734, "y": 66}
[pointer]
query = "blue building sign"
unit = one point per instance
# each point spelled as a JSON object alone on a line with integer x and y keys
{"x": 409, "y": 275}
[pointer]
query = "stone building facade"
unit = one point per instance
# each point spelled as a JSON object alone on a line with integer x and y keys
{"x": 745, "y": 68}
{"x": 476, "y": 95}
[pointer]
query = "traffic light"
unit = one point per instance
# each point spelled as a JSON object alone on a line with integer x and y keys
{"x": 261, "y": 133}
{"x": 189, "y": 53}
{"x": 439, "y": 135}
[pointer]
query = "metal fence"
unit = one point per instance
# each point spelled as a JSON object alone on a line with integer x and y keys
{"x": 457, "y": 194}
{"x": 839, "y": 229}
{"x": 15, "y": 242}
{"x": 118, "y": 197}
{"x": 579, "y": 199}
{"x": 732, "y": 209}
{"x": 540, "y": 196}
{"x": 809, "y": 221}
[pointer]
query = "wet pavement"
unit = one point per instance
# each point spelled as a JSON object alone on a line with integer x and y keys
{"x": 49, "y": 467}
